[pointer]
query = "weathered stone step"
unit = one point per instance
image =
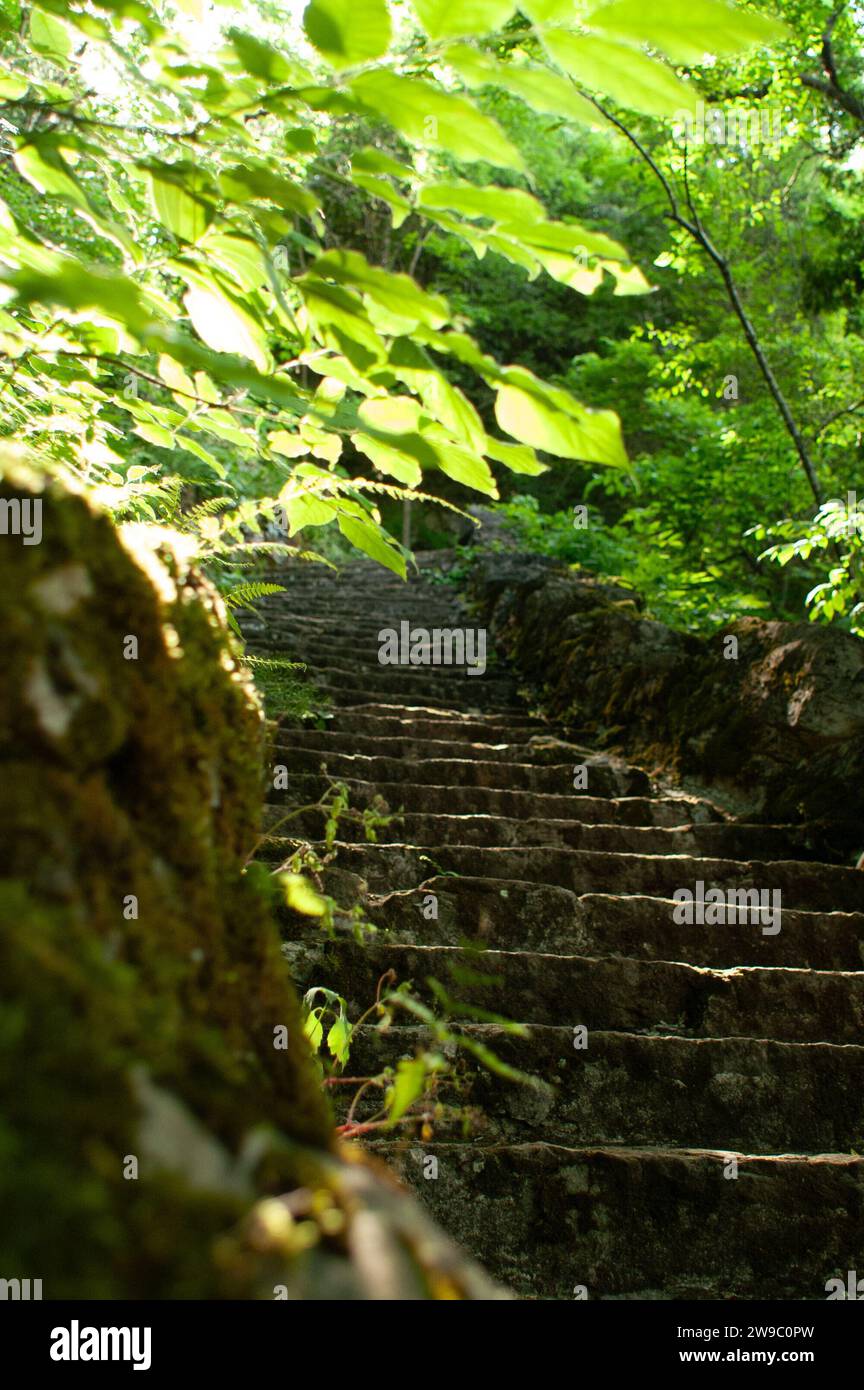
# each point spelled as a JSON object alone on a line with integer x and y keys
{"x": 540, "y": 751}
{"x": 604, "y": 777}
{"x": 608, "y": 994}
{"x": 365, "y": 655}
{"x": 508, "y": 915}
{"x": 418, "y": 721}
{"x": 370, "y": 614}
{"x": 428, "y": 831}
{"x": 809, "y": 887}
{"x": 416, "y": 681}
{"x": 742, "y": 1094}
{"x": 305, "y": 788}
{"x": 468, "y": 698}
{"x": 433, "y": 683}
{"x": 646, "y": 1223}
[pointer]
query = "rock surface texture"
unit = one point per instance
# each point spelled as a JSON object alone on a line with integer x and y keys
{"x": 706, "y": 1141}
{"x": 155, "y": 1142}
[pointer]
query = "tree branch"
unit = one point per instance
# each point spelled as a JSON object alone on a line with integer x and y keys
{"x": 695, "y": 229}
{"x": 830, "y": 85}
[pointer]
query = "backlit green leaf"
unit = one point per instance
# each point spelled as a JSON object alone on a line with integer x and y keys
{"x": 436, "y": 119}
{"x": 370, "y": 539}
{"x": 627, "y": 75}
{"x": 446, "y": 19}
{"x": 687, "y": 30}
{"x": 348, "y": 32}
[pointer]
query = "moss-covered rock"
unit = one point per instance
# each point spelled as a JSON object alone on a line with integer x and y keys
{"x": 155, "y": 1080}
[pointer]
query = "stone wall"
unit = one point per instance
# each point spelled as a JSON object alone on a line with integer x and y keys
{"x": 777, "y": 731}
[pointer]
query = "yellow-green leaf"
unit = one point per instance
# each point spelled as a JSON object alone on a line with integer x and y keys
{"x": 224, "y": 325}
{"x": 626, "y": 74}
{"x": 541, "y": 89}
{"x": 348, "y": 32}
{"x": 435, "y": 119}
{"x": 688, "y": 30}
{"x": 369, "y": 538}
{"x": 447, "y": 18}
{"x": 301, "y": 896}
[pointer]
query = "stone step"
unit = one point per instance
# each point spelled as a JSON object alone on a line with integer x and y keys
{"x": 370, "y": 615}
{"x": 631, "y": 1223}
{"x": 430, "y": 831}
{"x": 542, "y": 750}
{"x": 740, "y": 1094}
{"x": 507, "y": 915}
{"x": 603, "y": 777}
{"x": 705, "y": 1042}
{"x": 808, "y": 887}
{"x": 394, "y": 720}
{"x": 365, "y": 655}
{"x": 614, "y": 994}
{"x": 438, "y": 682}
{"x": 306, "y": 788}
{"x": 468, "y": 698}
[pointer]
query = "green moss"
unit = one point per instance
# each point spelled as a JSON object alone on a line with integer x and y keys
{"x": 129, "y": 779}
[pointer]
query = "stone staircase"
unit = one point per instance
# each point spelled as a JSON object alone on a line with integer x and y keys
{"x": 706, "y": 1142}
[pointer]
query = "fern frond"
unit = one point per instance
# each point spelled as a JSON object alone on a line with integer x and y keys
{"x": 245, "y": 594}
{"x": 212, "y": 506}
{"x": 397, "y": 490}
{"x": 273, "y": 663}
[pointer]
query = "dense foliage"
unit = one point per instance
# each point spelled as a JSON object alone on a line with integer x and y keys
{"x": 267, "y": 274}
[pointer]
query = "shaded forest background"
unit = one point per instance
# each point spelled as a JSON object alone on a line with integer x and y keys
{"x": 739, "y": 497}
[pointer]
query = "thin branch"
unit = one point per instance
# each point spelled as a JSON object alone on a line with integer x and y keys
{"x": 830, "y": 85}
{"x": 696, "y": 230}
{"x": 838, "y": 414}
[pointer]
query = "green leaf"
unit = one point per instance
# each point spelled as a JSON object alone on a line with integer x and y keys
{"x": 519, "y": 458}
{"x": 549, "y": 11}
{"x": 461, "y": 464}
{"x": 372, "y": 161}
{"x": 302, "y": 510}
{"x": 445, "y": 19}
{"x": 408, "y": 1086}
{"x": 41, "y": 162}
{"x": 390, "y": 414}
{"x": 263, "y": 60}
{"x": 548, "y": 418}
{"x": 237, "y": 256}
{"x": 313, "y": 1028}
{"x": 224, "y": 325}
{"x": 50, "y": 36}
{"x": 369, "y": 538}
{"x": 497, "y": 204}
{"x": 342, "y": 321}
{"x": 201, "y": 453}
{"x": 183, "y": 214}
{"x": 243, "y": 183}
{"x": 348, "y": 32}
{"x": 542, "y": 90}
{"x": 154, "y": 434}
{"x": 388, "y": 457}
{"x": 301, "y": 896}
{"x": 442, "y": 400}
{"x": 339, "y": 1039}
{"x": 630, "y": 77}
{"x": 435, "y": 119}
{"x": 399, "y": 295}
{"x": 687, "y": 30}
{"x": 381, "y": 188}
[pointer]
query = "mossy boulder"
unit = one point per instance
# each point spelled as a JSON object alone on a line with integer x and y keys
{"x": 156, "y": 1085}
